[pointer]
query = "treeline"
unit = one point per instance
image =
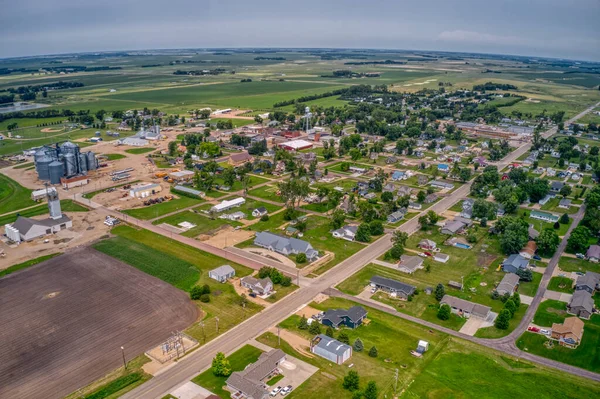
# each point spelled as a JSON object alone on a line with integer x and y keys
{"x": 176, "y": 62}
{"x": 269, "y": 58}
{"x": 8, "y": 71}
{"x": 386, "y": 62}
{"x": 6, "y": 98}
{"x": 79, "y": 68}
{"x": 351, "y": 74}
{"x": 494, "y": 86}
{"x": 150, "y": 65}
{"x": 309, "y": 98}
{"x": 46, "y": 113}
{"x": 216, "y": 71}
{"x": 60, "y": 85}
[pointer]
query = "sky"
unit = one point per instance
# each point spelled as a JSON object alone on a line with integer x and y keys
{"x": 542, "y": 28}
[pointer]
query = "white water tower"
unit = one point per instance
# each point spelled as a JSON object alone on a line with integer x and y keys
{"x": 307, "y": 116}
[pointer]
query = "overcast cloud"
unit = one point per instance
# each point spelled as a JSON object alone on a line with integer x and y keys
{"x": 551, "y": 28}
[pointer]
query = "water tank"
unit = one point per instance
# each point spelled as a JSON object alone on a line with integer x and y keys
{"x": 70, "y": 162}
{"x": 91, "y": 161}
{"x": 41, "y": 166}
{"x": 56, "y": 171}
{"x": 83, "y": 163}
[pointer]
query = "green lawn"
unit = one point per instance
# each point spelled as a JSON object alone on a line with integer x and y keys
{"x": 586, "y": 355}
{"x": 225, "y": 302}
{"x": 157, "y": 210}
{"x": 238, "y": 362}
{"x": 569, "y": 264}
{"x": 561, "y": 284}
{"x": 540, "y": 225}
{"x": 552, "y": 206}
{"x": 13, "y": 196}
{"x": 268, "y": 192}
{"x": 237, "y": 185}
{"x": 275, "y": 221}
{"x": 65, "y": 205}
{"x": 204, "y": 224}
{"x": 114, "y": 157}
{"x": 29, "y": 263}
{"x": 142, "y": 150}
{"x": 530, "y": 288}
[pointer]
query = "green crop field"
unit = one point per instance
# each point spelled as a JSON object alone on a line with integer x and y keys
{"x": 136, "y": 151}
{"x": 157, "y": 210}
{"x": 13, "y": 196}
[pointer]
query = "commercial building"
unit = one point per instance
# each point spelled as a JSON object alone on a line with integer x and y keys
{"x": 296, "y": 145}
{"x": 330, "y": 349}
{"x": 190, "y": 191}
{"x": 228, "y": 204}
{"x": 182, "y": 175}
{"x": 75, "y": 181}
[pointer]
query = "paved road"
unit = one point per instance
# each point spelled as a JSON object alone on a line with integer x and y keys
{"x": 200, "y": 359}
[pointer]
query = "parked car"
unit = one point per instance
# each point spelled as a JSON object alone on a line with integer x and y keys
{"x": 286, "y": 390}
{"x": 580, "y": 256}
{"x": 533, "y": 329}
{"x": 580, "y": 273}
{"x": 275, "y": 391}
{"x": 373, "y": 290}
{"x": 544, "y": 331}
{"x": 536, "y": 257}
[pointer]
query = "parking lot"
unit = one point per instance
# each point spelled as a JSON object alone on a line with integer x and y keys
{"x": 64, "y": 322}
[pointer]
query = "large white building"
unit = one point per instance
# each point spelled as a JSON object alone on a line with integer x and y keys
{"x": 228, "y": 204}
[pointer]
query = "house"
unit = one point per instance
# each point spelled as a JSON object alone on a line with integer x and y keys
{"x": 467, "y": 208}
{"x": 347, "y": 232}
{"x": 455, "y": 226}
{"x": 589, "y": 282}
{"x": 410, "y": 264}
{"x": 555, "y": 186}
{"x": 396, "y": 216}
{"x": 251, "y": 382}
{"x": 514, "y": 263}
{"x": 258, "y": 212}
{"x": 509, "y": 284}
{"x": 593, "y": 253}
{"x": 427, "y": 244}
{"x": 396, "y": 288}
{"x": 581, "y": 305}
{"x": 545, "y": 216}
{"x": 440, "y": 257}
{"x": 233, "y": 216}
{"x": 222, "y": 273}
{"x": 466, "y": 308}
{"x": 533, "y": 233}
{"x": 442, "y": 185}
{"x": 356, "y": 169}
{"x": 330, "y": 349}
{"x": 398, "y": 175}
{"x": 389, "y": 188}
{"x": 431, "y": 198}
{"x": 569, "y": 333}
{"x": 352, "y": 317}
{"x": 564, "y": 203}
{"x": 240, "y": 158}
{"x": 262, "y": 286}
{"x": 403, "y": 191}
{"x": 415, "y": 205}
{"x": 228, "y": 204}
{"x": 545, "y": 200}
{"x": 528, "y": 250}
{"x": 285, "y": 246}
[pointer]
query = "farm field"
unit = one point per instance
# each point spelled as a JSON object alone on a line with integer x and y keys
{"x": 13, "y": 196}
{"x": 114, "y": 292}
{"x": 157, "y": 210}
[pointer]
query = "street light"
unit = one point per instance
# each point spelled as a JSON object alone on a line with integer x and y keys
{"x": 123, "y": 353}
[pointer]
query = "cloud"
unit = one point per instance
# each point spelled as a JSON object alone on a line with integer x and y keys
{"x": 465, "y": 36}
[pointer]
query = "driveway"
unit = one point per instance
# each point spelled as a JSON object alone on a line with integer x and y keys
{"x": 526, "y": 299}
{"x": 366, "y": 293}
{"x": 471, "y": 326}
{"x": 558, "y": 296}
{"x": 294, "y": 371}
{"x": 189, "y": 390}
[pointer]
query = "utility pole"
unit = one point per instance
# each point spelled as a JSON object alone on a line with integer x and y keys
{"x": 278, "y": 335}
{"x": 217, "y": 321}
{"x": 203, "y": 334}
{"x": 298, "y": 278}
{"x": 396, "y": 382}
{"x": 123, "y": 353}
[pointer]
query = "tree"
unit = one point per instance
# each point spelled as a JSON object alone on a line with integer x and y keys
{"x": 351, "y": 381}
{"x": 343, "y": 338}
{"x": 338, "y": 218}
{"x": 371, "y": 391}
{"x": 329, "y": 332}
{"x": 315, "y": 328}
{"x": 444, "y": 312}
{"x": 172, "y": 148}
{"x": 373, "y": 351}
{"x": 516, "y": 298}
{"x": 300, "y": 257}
{"x": 303, "y": 323}
{"x": 195, "y": 292}
{"x": 358, "y": 345}
{"x": 511, "y": 307}
{"x": 421, "y": 196}
{"x": 578, "y": 241}
{"x": 525, "y": 275}
{"x": 399, "y": 237}
{"x": 363, "y": 233}
{"x": 464, "y": 174}
{"x": 387, "y": 196}
{"x": 566, "y": 190}
{"x": 220, "y": 365}
{"x": 396, "y": 251}
{"x": 376, "y": 228}
{"x": 503, "y": 320}
{"x": 547, "y": 242}
{"x": 228, "y": 175}
{"x": 205, "y": 298}
{"x": 440, "y": 291}
{"x": 564, "y": 219}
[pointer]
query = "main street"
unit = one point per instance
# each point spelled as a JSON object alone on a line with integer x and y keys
{"x": 194, "y": 363}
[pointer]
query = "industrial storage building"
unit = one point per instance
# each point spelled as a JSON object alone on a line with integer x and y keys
{"x": 64, "y": 160}
{"x": 182, "y": 175}
{"x": 296, "y": 145}
{"x": 228, "y": 204}
{"x": 190, "y": 191}
{"x": 41, "y": 194}
{"x": 145, "y": 190}
{"x": 72, "y": 182}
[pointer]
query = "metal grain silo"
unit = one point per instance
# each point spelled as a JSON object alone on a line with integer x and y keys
{"x": 56, "y": 171}
{"x": 83, "y": 163}
{"x": 42, "y": 165}
{"x": 70, "y": 161}
{"x": 91, "y": 161}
